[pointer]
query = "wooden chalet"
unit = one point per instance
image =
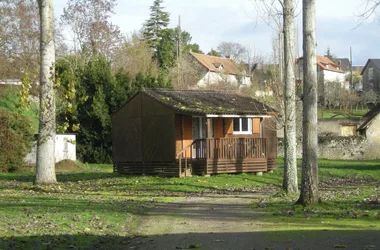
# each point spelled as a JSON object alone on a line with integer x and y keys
{"x": 193, "y": 132}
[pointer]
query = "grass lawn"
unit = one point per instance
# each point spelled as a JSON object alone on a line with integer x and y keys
{"x": 336, "y": 114}
{"x": 102, "y": 207}
{"x": 349, "y": 195}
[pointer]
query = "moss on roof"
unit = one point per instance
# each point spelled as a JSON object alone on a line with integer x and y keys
{"x": 209, "y": 102}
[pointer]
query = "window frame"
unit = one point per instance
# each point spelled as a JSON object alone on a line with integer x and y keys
{"x": 240, "y": 132}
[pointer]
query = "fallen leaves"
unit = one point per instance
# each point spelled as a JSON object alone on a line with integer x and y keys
{"x": 340, "y": 246}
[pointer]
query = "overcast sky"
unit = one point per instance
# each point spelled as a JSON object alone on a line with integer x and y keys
{"x": 212, "y": 21}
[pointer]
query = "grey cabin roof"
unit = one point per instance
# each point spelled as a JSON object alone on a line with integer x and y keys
{"x": 207, "y": 102}
{"x": 369, "y": 116}
{"x": 375, "y": 62}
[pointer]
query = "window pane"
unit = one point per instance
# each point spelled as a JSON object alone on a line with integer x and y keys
{"x": 236, "y": 124}
{"x": 196, "y": 128}
{"x": 244, "y": 124}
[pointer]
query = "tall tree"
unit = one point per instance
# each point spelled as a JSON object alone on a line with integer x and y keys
{"x": 154, "y": 26}
{"x": 19, "y": 38}
{"x": 270, "y": 11}
{"x": 47, "y": 124}
{"x": 290, "y": 168}
{"x": 309, "y": 184}
{"x": 234, "y": 50}
{"x": 135, "y": 56}
{"x": 90, "y": 23}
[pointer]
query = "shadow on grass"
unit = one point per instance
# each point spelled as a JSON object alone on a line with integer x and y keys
{"x": 349, "y": 164}
{"x": 314, "y": 239}
{"x": 198, "y": 209}
{"x": 61, "y": 177}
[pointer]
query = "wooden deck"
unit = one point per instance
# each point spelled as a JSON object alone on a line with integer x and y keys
{"x": 226, "y": 155}
{"x": 209, "y": 156}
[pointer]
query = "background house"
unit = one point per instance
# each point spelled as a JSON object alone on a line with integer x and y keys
{"x": 344, "y": 63}
{"x": 327, "y": 72}
{"x": 216, "y": 70}
{"x": 371, "y": 76}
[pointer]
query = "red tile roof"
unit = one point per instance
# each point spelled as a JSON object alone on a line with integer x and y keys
{"x": 217, "y": 64}
{"x": 325, "y": 63}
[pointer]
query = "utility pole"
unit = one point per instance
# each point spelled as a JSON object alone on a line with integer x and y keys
{"x": 179, "y": 52}
{"x": 351, "y": 78}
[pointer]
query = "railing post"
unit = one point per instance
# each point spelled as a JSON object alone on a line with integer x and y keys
{"x": 185, "y": 164}
{"x": 180, "y": 165}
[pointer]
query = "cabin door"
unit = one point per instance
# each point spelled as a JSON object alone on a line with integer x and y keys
{"x": 199, "y": 130}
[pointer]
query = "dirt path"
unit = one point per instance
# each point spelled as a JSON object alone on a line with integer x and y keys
{"x": 226, "y": 222}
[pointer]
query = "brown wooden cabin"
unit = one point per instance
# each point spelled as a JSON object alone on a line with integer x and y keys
{"x": 193, "y": 132}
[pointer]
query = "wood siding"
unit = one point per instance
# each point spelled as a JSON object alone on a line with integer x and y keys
{"x": 126, "y": 132}
{"x": 178, "y": 133}
{"x": 143, "y": 134}
{"x": 269, "y": 132}
{"x": 203, "y": 166}
{"x": 218, "y": 128}
{"x": 256, "y": 127}
{"x": 158, "y": 138}
{"x": 153, "y": 168}
{"x": 183, "y": 132}
{"x": 187, "y": 126}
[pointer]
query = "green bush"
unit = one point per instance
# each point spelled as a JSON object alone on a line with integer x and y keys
{"x": 16, "y": 136}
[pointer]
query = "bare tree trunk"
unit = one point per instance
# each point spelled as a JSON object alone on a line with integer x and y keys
{"x": 47, "y": 128}
{"x": 290, "y": 169}
{"x": 309, "y": 185}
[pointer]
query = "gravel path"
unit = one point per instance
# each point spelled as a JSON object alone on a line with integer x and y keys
{"x": 226, "y": 222}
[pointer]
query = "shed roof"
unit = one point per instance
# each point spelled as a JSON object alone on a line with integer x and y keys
{"x": 369, "y": 116}
{"x": 375, "y": 62}
{"x": 209, "y": 102}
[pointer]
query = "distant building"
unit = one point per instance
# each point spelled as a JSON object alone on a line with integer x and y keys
{"x": 220, "y": 70}
{"x": 344, "y": 63}
{"x": 327, "y": 71}
{"x": 371, "y": 76}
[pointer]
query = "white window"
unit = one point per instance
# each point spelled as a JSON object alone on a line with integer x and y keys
{"x": 242, "y": 126}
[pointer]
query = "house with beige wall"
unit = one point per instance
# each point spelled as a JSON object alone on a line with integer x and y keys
{"x": 327, "y": 72}
{"x": 220, "y": 70}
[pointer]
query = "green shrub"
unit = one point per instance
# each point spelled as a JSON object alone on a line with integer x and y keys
{"x": 16, "y": 136}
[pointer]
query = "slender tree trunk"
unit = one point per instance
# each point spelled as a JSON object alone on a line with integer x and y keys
{"x": 290, "y": 170}
{"x": 47, "y": 128}
{"x": 309, "y": 185}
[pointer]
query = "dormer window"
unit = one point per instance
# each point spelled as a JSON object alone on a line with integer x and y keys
{"x": 218, "y": 65}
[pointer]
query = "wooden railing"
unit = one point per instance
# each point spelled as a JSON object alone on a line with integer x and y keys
{"x": 221, "y": 149}
{"x": 184, "y": 155}
{"x": 231, "y": 148}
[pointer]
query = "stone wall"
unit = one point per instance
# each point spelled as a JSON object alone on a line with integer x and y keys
{"x": 334, "y": 127}
{"x": 339, "y": 147}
